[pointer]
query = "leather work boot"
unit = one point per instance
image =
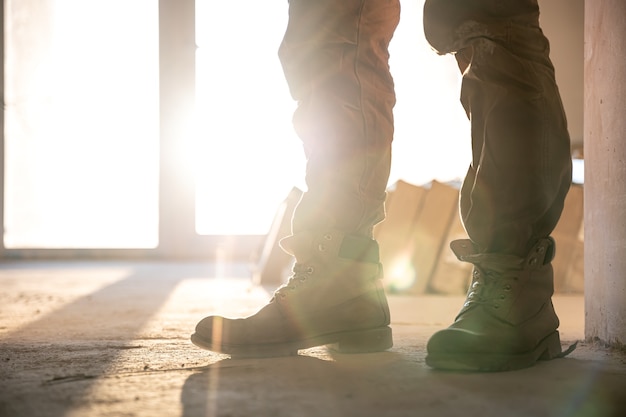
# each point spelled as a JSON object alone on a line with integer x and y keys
{"x": 508, "y": 320}
{"x": 334, "y": 296}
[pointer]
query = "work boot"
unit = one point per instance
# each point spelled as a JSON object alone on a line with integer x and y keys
{"x": 508, "y": 320}
{"x": 334, "y": 296}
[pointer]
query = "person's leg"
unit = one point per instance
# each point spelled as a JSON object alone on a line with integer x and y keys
{"x": 513, "y": 194}
{"x": 335, "y": 59}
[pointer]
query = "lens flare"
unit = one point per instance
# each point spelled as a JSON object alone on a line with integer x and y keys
{"x": 401, "y": 274}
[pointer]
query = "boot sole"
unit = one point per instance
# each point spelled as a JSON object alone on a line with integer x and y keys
{"x": 549, "y": 348}
{"x": 360, "y": 341}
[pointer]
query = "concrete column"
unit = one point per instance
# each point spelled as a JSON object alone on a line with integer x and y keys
{"x": 177, "y": 77}
{"x": 605, "y": 171}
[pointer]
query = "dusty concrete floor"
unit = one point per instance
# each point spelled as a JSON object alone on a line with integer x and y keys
{"x": 111, "y": 339}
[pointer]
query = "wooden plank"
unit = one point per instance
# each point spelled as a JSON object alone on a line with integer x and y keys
{"x": 274, "y": 264}
{"x": 575, "y": 281}
{"x": 566, "y": 236}
{"x": 451, "y": 276}
{"x": 403, "y": 205}
{"x": 430, "y": 231}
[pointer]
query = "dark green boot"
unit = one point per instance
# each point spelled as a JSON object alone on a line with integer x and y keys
{"x": 335, "y": 296}
{"x": 508, "y": 320}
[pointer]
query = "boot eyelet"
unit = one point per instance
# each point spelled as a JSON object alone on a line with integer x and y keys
{"x": 310, "y": 270}
{"x": 496, "y": 306}
{"x": 471, "y": 295}
{"x": 476, "y": 284}
{"x": 476, "y": 273}
{"x": 328, "y": 236}
{"x": 467, "y": 304}
{"x": 507, "y": 287}
{"x": 321, "y": 247}
{"x": 503, "y": 297}
{"x": 532, "y": 262}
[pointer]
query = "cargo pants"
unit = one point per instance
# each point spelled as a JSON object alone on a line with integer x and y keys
{"x": 335, "y": 59}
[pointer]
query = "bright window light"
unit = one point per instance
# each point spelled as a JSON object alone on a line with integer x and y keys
{"x": 82, "y": 109}
{"x": 247, "y": 155}
{"x": 81, "y": 124}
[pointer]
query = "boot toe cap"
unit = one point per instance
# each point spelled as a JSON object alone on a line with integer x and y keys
{"x": 453, "y": 340}
{"x": 205, "y": 326}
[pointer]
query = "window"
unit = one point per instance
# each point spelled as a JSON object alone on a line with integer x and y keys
{"x": 81, "y": 124}
{"x": 248, "y": 157}
{"x": 84, "y": 98}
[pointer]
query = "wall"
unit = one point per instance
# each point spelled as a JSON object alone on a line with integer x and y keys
{"x": 563, "y": 23}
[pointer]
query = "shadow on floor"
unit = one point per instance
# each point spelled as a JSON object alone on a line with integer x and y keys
{"x": 92, "y": 356}
{"x": 393, "y": 384}
{"x": 83, "y": 339}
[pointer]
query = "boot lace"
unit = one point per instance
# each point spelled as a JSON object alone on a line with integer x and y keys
{"x": 493, "y": 279}
{"x": 301, "y": 273}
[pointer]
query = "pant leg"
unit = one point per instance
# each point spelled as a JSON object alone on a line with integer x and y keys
{"x": 515, "y": 187}
{"x": 335, "y": 59}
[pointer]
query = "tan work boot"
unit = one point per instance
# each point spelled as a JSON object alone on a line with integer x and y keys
{"x": 508, "y": 320}
{"x": 335, "y": 296}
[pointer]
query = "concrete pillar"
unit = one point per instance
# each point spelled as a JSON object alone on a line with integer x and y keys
{"x": 177, "y": 78}
{"x": 605, "y": 171}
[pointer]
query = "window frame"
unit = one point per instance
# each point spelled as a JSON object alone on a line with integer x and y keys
{"x": 178, "y": 238}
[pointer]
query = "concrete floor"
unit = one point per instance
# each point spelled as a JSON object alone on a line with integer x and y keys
{"x": 111, "y": 339}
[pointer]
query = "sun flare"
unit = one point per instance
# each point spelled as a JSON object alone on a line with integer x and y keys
{"x": 81, "y": 129}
